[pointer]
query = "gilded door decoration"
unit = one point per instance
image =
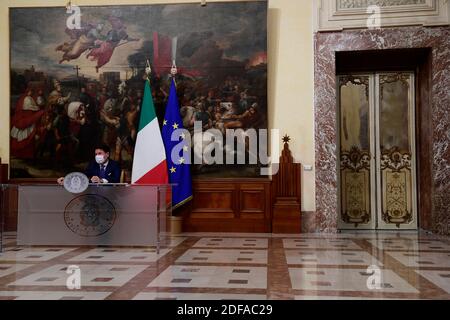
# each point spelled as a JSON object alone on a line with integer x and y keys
{"x": 395, "y": 140}
{"x": 355, "y": 150}
{"x": 396, "y": 175}
{"x": 377, "y": 151}
{"x": 355, "y": 171}
{"x": 358, "y": 80}
{"x": 391, "y": 78}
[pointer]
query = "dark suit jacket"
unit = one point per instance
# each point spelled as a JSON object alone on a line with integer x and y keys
{"x": 112, "y": 171}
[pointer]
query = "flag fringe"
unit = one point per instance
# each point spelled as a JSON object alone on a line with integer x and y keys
{"x": 181, "y": 202}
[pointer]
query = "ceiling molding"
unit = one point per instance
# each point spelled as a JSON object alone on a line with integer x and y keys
{"x": 332, "y": 15}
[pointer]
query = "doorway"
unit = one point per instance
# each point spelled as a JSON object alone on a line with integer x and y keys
{"x": 377, "y": 151}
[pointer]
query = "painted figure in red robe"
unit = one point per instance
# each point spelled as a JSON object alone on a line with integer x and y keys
{"x": 23, "y": 126}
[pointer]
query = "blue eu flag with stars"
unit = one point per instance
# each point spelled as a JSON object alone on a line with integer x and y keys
{"x": 178, "y": 166}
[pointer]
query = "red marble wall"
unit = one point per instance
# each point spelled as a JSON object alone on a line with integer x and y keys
{"x": 325, "y": 46}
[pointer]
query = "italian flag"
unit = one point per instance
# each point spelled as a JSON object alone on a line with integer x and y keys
{"x": 149, "y": 163}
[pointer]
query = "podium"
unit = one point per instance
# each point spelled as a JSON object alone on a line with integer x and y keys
{"x": 102, "y": 215}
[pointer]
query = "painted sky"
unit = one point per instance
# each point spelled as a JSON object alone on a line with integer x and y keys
{"x": 238, "y": 29}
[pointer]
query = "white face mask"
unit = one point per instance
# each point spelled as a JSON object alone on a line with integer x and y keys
{"x": 99, "y": 158}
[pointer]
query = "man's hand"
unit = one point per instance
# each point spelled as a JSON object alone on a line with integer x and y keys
{"x": 96, "y": 179}
{"x": 60, "y": 180}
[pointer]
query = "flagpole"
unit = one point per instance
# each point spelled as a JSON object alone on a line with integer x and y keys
{"x": 180, "y": 175}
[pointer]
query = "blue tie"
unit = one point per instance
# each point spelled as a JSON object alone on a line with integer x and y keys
{"x": 102, "y": 171}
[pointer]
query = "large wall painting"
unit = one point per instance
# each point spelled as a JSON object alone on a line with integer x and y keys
{"x": 74, "y": 88}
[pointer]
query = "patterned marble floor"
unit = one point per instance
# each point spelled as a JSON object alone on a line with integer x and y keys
{"x": 200, "y": 266}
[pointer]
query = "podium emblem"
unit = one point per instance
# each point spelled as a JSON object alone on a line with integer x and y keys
{"x": 89, "y": 215}
{"x": 76, "y": 182}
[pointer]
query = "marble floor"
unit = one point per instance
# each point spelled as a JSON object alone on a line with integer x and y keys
{"x": 201, "y": 266}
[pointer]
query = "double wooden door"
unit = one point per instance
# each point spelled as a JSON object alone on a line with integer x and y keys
{"x": 377, "y": 162}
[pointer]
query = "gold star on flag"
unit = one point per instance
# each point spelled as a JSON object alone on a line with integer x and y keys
{"x": 181, "y": 160}
{"x": 173, "y": 170}
{"x": 183, "y": 136}
{"x": 175, "y": 125}
{"x": 164, "y": 122}
{"x": 186, "y": 148}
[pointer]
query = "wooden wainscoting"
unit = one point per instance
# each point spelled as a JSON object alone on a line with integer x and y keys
{"x": 3, "y": 172}
{"x": 10, "y": 197}
{"x": 8, "y": 201}
{"x": 228, "y": 205}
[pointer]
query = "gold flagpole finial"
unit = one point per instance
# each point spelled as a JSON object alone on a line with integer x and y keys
{"x": 173, "y": 70}
{"x": 148, "y": 70}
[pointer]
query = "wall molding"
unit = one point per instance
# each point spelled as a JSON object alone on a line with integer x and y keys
{"x": 334, "y": 15}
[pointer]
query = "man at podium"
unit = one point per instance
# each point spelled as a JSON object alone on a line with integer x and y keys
{"x": 101, "y": 169}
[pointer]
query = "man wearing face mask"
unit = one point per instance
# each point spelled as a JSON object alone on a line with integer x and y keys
{"x": 102, "y": 169}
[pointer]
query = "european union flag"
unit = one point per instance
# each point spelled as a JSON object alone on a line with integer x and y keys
{"x": 179, "y": 167}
